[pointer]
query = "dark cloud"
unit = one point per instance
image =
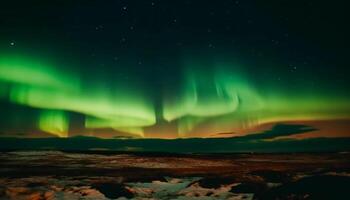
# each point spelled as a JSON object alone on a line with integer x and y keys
{"x": 279, "y": 130}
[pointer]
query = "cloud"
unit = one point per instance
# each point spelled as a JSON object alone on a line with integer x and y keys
{"x": 279, "y": 130}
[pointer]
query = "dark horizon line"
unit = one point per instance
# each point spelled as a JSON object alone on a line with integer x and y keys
{"x": 201, "y": 145}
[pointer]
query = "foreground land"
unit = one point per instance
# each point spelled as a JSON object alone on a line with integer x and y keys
{"x": 111, "y": 175}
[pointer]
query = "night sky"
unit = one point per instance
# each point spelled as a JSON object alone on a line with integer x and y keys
{"x": 169, "y": 69}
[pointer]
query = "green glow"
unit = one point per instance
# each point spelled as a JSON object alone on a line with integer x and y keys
{"x": 19, "y": 70}
{"x": 54, "y": 122}
{"x": 120, "y": 123}
{"x": 224, "y": 100}
{"x": 188, "y": 123}
{"x": 210, "y": 94}
{"x": 126, "y": 109}
{"x": 219, "y": 99}
{"x": 118, "y": 106}
{"x": 304, "y": 107}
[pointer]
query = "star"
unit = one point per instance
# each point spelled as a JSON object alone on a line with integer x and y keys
{"x": 99, "y": 27}
{"x": 293, "y": 68}
{"x": 12, "y": 43}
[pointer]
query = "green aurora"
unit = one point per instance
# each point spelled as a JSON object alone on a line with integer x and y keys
{"x": 41, "y": 86}
{"x": 223, "y": 98}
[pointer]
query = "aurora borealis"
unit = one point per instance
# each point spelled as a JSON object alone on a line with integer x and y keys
{"x": 157, "y": 69}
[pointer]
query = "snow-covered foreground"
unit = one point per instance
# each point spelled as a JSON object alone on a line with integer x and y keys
{"x": 55, "y": 175}
{"x": 49, "y": 188}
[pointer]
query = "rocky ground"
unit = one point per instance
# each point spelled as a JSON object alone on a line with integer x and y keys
{"x": 111, "y": 175}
